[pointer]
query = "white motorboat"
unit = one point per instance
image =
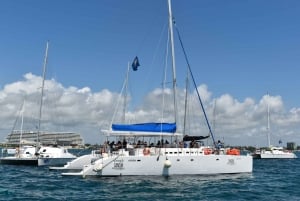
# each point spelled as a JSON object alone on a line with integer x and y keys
{"x": 171, "y": 157}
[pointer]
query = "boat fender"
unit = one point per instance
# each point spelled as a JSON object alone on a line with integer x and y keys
{"x": 146, "y": 151}
{"x": 98, "y": 168}
{"x": 167, "y": 163}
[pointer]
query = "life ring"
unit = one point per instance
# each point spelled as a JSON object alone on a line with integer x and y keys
{"x": 207, "y": 151}
{"x": 146, "y": 151}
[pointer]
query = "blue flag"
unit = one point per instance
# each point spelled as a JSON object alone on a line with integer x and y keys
{"x": 135, "y": 64}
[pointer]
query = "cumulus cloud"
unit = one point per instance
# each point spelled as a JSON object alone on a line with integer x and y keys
{"x": 64, "y": 109}
{"x": 237, "y": 122}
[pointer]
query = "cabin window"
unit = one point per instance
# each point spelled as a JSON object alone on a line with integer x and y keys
{"x": 192, "y": 159}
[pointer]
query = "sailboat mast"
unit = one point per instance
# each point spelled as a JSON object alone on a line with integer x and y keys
{"x": 173, "y": 58}
{"x": 125, "y": 95}
{"x": 186, "y": 103}
{"x": 268, "y": 126}
{"x": 22, "y": 122}
{"x": 42, "y": 90}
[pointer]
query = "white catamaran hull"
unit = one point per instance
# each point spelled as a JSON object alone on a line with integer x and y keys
{"x": 283, "y": 155}
{"x": 276, "y": 152}
{"x": 54, "y": 156}
{"x": 78, "y": 163}
{"x": 53, "y": 161}
{"x": 118, "y": 165}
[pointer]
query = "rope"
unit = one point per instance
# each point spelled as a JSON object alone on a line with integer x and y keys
{"x": 194, "y": 82}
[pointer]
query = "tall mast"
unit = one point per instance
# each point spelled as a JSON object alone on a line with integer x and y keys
{"x": 268, "y": 126}
{"x": 186, "y": 102}
{"x": 125, "y": 94}
{"x": 173, "y": 58}
{"x": 22, "y": 121}
{"x": 42, "y": 91}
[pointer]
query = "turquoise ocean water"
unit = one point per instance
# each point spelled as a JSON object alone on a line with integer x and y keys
{"x": 270, "y": 180}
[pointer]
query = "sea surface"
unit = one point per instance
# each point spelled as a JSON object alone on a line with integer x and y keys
{"x": 271, "y": 180}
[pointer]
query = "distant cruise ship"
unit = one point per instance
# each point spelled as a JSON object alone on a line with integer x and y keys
{"x": 50, "y": 138}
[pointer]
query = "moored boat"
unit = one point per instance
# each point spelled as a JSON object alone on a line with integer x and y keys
{"x": 137, "y": 152}
{"x": 276, "y": 152}
{"x": 37, "y": 154}
{"x": 272, "y": 152}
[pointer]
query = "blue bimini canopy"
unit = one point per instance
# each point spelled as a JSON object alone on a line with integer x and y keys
{"x": 146, "y": 127}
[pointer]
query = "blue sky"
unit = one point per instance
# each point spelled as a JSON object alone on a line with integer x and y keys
{"x": 241, "y": 48}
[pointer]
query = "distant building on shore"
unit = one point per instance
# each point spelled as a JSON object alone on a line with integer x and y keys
{"x": 46, "y": 138}
{"x": 291, "y": 146}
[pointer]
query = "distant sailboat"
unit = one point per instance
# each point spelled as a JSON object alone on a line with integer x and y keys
{"x": 24, "y": 154}
{"x": 273, "y": 152}
{"x": 38, "y": 155}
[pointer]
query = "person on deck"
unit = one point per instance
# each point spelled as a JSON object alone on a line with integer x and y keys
{"x": 219, "y": 146}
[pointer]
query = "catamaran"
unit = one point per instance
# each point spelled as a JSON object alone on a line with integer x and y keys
{"x": 175, "y": 153}
{"x": 272, "y": 152}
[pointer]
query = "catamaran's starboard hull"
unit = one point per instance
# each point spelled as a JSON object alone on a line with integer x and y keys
{"x": 78, "y": 163}
{"x": 168, "y": 165}
{"x": 19, "y": 161}
{"x": 53, "y": 161}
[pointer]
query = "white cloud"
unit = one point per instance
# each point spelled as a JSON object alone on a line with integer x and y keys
{"x": 204, "y": 93}
{"x": 84, "y": 111}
